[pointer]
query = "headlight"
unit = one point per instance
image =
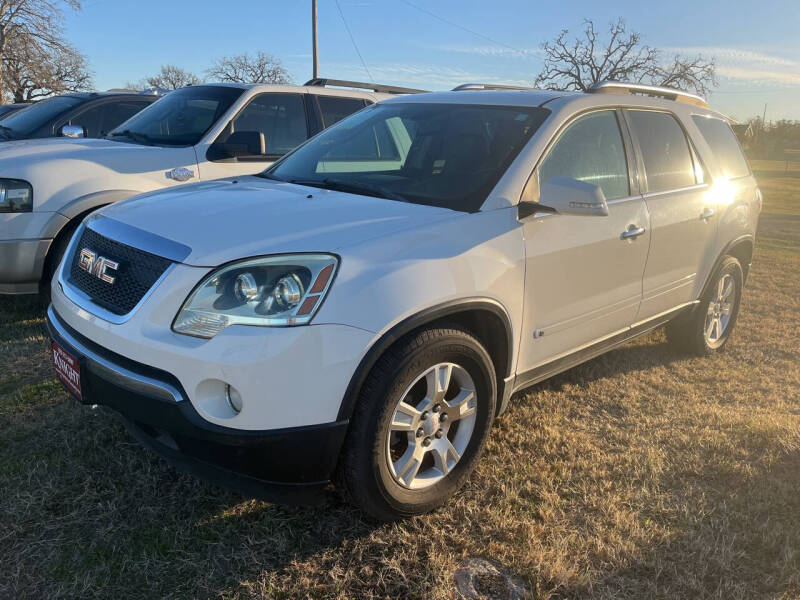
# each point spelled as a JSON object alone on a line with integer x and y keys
{"x": 16, "y": 196}
{"x": 276, "y": 291}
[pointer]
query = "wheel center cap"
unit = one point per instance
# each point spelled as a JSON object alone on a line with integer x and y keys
{"x": 431, "y": 425}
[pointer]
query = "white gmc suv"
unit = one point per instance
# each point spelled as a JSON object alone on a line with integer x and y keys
{"x": 201, "y": 132}
{"x": 364, "y": 309}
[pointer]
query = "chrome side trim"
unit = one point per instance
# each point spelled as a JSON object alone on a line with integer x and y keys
{"x": 577, "y": 356}
{"x": 664, "y": 313}
{"x": 82, "y": 300}
{"x": 689, "y": 188}
{"x": 113, "y": 373}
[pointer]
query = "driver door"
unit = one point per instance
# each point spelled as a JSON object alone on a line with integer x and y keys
{"x": 583, "y": 275}
{"x": 280, "y": 119}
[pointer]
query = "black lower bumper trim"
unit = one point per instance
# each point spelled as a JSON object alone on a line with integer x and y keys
{"x": 279, "y": 465}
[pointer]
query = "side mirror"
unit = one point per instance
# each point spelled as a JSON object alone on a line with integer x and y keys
{"x": 239, "y": 144}
{"x": 567, "y": 196}
{"x": 73, "y": 131}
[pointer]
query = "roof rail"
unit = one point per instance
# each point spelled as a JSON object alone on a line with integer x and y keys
{"x": 488, "y": 86}
{"x": 619, "y": 87}
{"x": 375, "y": 87}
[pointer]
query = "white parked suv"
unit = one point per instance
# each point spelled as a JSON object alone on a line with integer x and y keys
{"x": 201, "y": 132}
{"x": 363, "y": 310}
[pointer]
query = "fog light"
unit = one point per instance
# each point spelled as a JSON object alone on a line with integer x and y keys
{"x": 234, "y": 398}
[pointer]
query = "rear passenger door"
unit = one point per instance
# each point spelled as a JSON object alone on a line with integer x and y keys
{"x": 583, "y": 279}
{"x": 683, "y": 223}
{"x": 279, "y": 117}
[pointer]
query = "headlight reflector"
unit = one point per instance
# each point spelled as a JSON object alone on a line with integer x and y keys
{"x": 16, "y": 196}
{"x": 274, "y": 291}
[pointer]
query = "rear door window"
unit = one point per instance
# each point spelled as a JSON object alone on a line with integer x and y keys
{"x": 719, "y": 135}
{"x": 590, "y": 150}
{"x": 334, "y": 108}
{"x": 280, "y": 117}
{"x": 665, "y": 150}
{"x": 100, "y": 119}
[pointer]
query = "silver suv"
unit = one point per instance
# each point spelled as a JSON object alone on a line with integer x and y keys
{"x": 367, "y": 305}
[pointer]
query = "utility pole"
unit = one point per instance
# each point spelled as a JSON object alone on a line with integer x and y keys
{"x": 314, "y": 37}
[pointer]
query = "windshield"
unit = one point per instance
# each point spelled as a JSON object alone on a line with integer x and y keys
{"x": 7, "y": 109}
{"x": 181, "y": 118}
{"x": 446, "y": 155}
{"x": 28, "y": 120}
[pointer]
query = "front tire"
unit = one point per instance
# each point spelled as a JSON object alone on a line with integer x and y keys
{"x": 708, "y": 327}
{"x": 420, "y": 424}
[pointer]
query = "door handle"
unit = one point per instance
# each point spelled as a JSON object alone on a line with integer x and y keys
{"x": 707, "y": 214}
{"x": 632, "y": 233}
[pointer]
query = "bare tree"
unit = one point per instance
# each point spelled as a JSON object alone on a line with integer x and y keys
{"x": 39, "y": 20}
{"x": 578, "y": 63}
{"x": 169, "y": 77}
{"x": 32, "y": 70}
{"x": 262, "y": 68}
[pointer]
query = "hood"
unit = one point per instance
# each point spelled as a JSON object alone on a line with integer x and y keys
{"x": 54, "y": 146}
{"x": 61, "y": 170}
{"x": 227, "y": 220}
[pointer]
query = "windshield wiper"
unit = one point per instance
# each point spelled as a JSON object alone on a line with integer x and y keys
{"x": 136, "y": 137}
{"x": 364, "y": 189}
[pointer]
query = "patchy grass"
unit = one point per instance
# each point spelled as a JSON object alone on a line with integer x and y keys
{"x": 639, "y": 474}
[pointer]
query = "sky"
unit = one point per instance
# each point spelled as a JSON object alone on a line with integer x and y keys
{"x": 437, "y": 44}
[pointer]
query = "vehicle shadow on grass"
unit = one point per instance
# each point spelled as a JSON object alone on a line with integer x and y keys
{"x": 641, "y": 354}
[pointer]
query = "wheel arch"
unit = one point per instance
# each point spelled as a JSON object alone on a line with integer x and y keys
{"x": 741, "y": 249}
{"x": 485, "y": 318}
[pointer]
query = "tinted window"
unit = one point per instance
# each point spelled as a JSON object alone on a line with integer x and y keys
{"x": 724, "y": 144}
{"x": 437, "y": 154}
{"x": 119, "y": 112}
{"x": 280, "y": 117}
{"x": 99, "y": 120}
{"x": 590, "y": 150}
{"x": 181, "y": 118}
{"x": 40, "y": 113}
{"x": 335, "y": 109}
{"x": 665, "y": 150}
{"x": 91, "y": 120}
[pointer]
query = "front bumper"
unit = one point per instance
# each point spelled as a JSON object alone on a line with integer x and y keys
{"x": 280, "y": 465}
{"x": 21, "y": 265}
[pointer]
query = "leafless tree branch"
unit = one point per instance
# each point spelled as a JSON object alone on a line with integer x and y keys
{"x": 586, "y": 60}
{"x": 242, "y": 68}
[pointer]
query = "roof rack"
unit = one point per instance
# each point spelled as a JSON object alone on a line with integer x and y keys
{"x": 375, "y": 87}
{"x": 619, "y": 87}
{"x": 488, "y": 86}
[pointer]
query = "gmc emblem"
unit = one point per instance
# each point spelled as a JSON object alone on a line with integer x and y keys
{"x": 97, "y": 265}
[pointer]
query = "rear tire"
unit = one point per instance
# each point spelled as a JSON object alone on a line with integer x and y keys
{"x": 707, "y": 328}
{"x": 413, "y": 442}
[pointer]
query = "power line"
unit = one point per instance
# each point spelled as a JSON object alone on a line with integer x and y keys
{"x": 461, "y": 27}
{"x": 352, "y": 39}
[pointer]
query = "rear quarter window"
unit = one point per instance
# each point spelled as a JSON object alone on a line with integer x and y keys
{"x": 720, "y": 137}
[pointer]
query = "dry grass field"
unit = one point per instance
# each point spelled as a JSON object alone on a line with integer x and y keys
{"x": 642, "y": 474}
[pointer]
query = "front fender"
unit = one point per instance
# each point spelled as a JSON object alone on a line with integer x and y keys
{"x": 81, "y": 205}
